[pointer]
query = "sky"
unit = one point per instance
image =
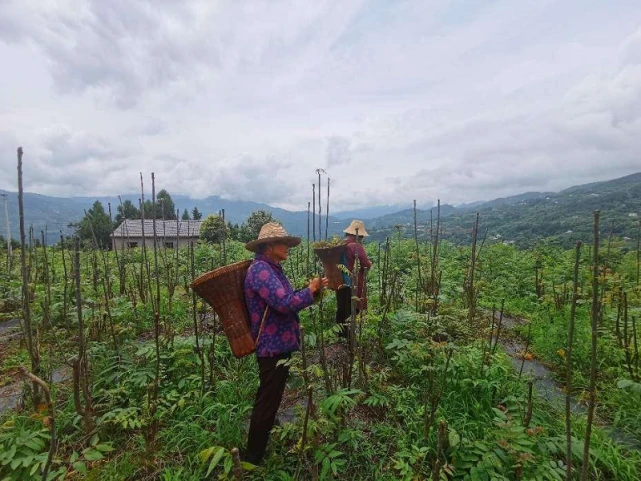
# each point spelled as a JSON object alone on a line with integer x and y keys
{"x": 458, "y": 100}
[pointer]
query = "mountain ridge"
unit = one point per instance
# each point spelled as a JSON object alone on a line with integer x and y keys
{"x": 519, "y": 218}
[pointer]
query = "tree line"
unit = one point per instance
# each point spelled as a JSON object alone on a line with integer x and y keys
{"x": 97, "y": 224}
{"x": 163, "y": 208}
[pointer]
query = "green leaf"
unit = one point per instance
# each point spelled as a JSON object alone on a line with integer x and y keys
{"x": 627, "y": 383}
{"x": 80, "y": 467}
{"x": 215, "y": 460}
{"x": 74, "y": 457}
{"x": 205, "y": 454}
{"x": 34, "y": 444}
{"x": 228, "y": 464}
{"x": 34, "y": 468}
{"x": 93, "y": 455}
{"x": 453, "y": 437}
{"x": 247, "y": 466}
{"x": 105, "y": 448}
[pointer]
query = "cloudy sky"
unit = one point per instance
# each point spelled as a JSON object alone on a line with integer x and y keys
{"x": 460, "y": 100}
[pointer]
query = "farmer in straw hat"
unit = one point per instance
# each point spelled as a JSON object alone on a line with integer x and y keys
{"x": 273, "y": 306}
{"x": 354, "y": 235}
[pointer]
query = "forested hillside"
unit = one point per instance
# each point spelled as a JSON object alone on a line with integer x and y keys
{"x": 524, "y": 219}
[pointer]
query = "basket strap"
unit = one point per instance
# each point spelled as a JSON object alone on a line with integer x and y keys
{"x": 262, "y": 323}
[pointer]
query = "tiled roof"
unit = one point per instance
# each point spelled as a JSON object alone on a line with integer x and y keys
{"x": 166, "y": 228}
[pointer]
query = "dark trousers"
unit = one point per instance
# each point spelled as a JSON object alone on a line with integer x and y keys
{"x": 270, "y": 393}
{"x": 343, "y": 309}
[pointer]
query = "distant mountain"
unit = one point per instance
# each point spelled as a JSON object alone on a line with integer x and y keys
{"x": 365, "y": 213}
{"x": 523, "y": 218}
{"x": 526, "y": 218}
{"x": 55, "y": 214}
{"x": 516, "y": 199}
{"x": 631, "y": 180}
{"x": 406, "y": 217}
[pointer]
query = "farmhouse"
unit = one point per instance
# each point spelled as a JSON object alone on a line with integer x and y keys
{"x": 169, "y": 233}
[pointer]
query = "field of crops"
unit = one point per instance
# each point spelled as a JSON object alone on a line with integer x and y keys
{"x": 477, "y": 362}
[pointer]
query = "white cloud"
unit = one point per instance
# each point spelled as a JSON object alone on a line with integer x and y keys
{"x": 398, "y": 100}
{"x": 338, "y": 151}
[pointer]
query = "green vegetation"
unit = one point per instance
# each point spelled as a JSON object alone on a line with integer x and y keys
{"x": 429, "y": 391}
{"x": 328, "y": 244}
{"x": 526, "y": 219}
{"x": 213, "y": 229}
{"x": 251, "y": 228}
{"x": 126, "y": 210}
{"x": 96, "y": 226}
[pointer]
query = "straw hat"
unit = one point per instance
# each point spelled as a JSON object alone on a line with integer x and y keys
{"x": 357, "y": 224}
{"x": 272, "y": 232}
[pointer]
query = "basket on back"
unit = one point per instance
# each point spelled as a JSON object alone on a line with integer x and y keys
{"x": 224, "y": 291}
{"x": 331, "y": 258}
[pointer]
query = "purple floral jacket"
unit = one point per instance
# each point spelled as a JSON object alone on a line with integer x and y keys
{"x": 267, "y": 285}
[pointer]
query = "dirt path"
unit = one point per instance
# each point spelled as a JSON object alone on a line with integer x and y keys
{"x": 546, "y": 385}
{"x": 11, "y": 393}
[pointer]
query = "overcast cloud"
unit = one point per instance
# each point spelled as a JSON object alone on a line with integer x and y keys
{"x": 460, "y": 100}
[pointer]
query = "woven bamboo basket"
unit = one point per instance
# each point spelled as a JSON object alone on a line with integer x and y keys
{"x": 224, "y": 290}
{"x": 331, "y": 258}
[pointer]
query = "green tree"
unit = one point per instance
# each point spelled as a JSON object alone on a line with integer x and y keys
{"x": 127, "y": 210}
{"x": 148, "y": 209}
{"x": 195, "y": 214}
{"x": 250, "y": 229}
{"x": 3, "y": 243}
{"x": 165, "y": 206}
{"x": 213, "y": 229}
{"x": 96, "y": 222}
{"x": 185, "y": 215}
{"x": 234, "y": 230}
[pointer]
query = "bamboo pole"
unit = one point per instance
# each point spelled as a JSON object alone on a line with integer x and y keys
{"x": 154, "y": 404}
{"x": 568, "y": 366}
{"x": 26, "y": 296}
{"x": 594, "y": 321}
{"x": 327, "y": 211}
{"x": 314, "y": 212}
{"x": 80, "y": 365}
{"x": 307, "y": 271}
{"x": 471, "y": 298}
{"x": 419, "y": 284}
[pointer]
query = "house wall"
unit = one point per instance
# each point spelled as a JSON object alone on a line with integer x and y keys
{"x": 120, "y": 243}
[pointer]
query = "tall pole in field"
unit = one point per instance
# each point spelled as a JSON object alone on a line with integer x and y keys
{"x": 320, "y": 209}
{"x": 32, "y": 347}
{"x": 314, "y": 212}
{"x": 8, "y": 228}
{"x": 308, "y": 254}
{"x": 327, "y": 211}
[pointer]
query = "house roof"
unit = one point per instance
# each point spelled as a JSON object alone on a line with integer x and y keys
{"x": 164, "y": 228}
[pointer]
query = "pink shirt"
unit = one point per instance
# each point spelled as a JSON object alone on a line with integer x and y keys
{"x": 354, "y": 250}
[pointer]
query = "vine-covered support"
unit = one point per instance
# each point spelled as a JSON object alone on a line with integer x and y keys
{"x": 593, "y": 362}
{"x": 33, "y": 347}
{"x": 568, "y": 365}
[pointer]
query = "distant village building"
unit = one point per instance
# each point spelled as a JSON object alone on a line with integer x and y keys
{"x": 633, "y": 214}
{"x": 169, "y": 233}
